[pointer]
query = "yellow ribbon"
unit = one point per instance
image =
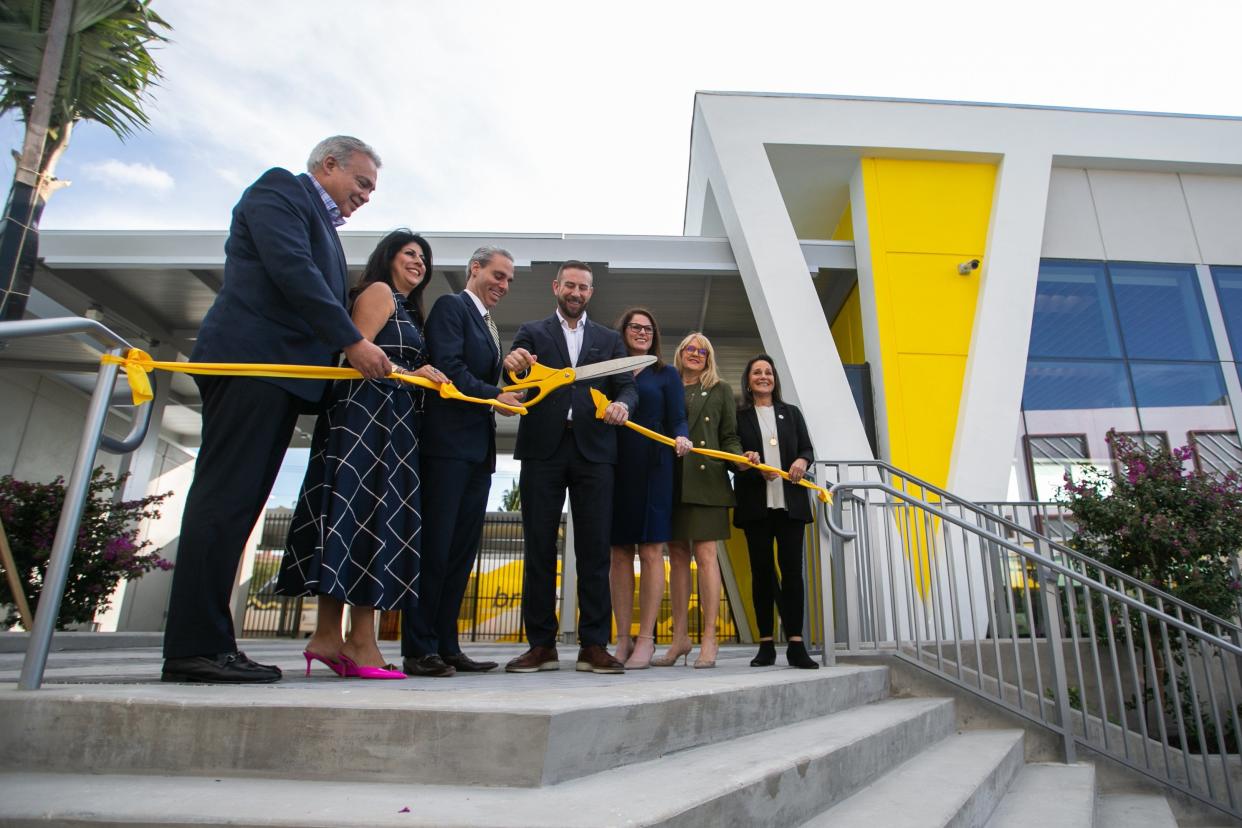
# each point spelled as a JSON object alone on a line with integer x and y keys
{"x": 137, "y": 364}
{"x": 602, "y": 402}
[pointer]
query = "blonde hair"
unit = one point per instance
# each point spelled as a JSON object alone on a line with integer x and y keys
{"x": 709, "y": 377}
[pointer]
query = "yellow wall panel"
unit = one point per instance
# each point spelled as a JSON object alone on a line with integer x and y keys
{"x": 936, "y": 205}
{"x": 845, "y": 227}
{"x": 931, "y": 385}
{"x": 847, "y": 330}
{"x": 923, "y": 218}
{"x": 933, "y": 305}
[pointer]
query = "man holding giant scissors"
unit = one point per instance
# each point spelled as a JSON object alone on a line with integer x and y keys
{"x": 458, "y": 458}
{"x": 562, "y": 447}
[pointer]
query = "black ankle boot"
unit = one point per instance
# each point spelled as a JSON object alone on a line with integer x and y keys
{"x": 797, "y": 656}
{"x": 766, "y": 656}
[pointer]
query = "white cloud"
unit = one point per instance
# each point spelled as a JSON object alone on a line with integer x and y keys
{"x": 569, "y": 117}
{"x": 119, "y": 175}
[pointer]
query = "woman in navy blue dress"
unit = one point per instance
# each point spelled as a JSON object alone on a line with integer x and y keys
{"x": 642, "y": 509}
{"x": 355, "y": 533}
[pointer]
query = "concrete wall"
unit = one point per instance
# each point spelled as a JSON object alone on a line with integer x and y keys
{"x": 1143, "y": 216}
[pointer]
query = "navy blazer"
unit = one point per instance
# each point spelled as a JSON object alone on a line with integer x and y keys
{"x": 794, "y": 441}
{"x": 285, "y": 284}
{"x": 461, "y": 346}
{"x": 540, "y": 430}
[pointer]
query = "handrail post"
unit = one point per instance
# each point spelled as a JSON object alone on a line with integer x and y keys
{"x": 1060, "y": 689}
{"x": 76, "y": 490}
{"x": 827, "y": 551}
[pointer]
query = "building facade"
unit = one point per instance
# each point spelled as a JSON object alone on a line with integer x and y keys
{"x": 1026, "y": 278}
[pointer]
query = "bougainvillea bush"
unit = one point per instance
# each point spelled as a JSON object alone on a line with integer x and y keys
{"x": 108, "y": 548}
{"x": 1176, "y": 530}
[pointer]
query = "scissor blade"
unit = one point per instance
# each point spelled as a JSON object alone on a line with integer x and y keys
{"x": 612, "y": 366}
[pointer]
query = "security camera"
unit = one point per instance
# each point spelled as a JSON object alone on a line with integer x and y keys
{"x": 967, "y": 267}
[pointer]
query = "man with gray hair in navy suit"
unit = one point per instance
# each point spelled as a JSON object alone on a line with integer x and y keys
{"x": 283, "y": 300}
{"x": 458, "y": 456}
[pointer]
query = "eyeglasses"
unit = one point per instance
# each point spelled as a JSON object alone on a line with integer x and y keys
{"x": 691, "y": 350}
{"x": 643, "y": 329}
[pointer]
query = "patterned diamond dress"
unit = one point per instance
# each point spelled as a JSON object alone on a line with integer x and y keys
{"x": 355, "y": 531}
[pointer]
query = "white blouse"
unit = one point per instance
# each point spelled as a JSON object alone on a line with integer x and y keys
{"x": 766, "y": 415}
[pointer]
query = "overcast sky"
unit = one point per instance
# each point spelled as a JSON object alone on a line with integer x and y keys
{"x": 575, "y": 117}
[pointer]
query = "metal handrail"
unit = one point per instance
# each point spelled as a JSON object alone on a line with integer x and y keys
{"x": 1069, "y": 551}
{"x": 77, "y": 486}
{"x": 1060, "y": 548}
{"x": 937, "y": 586}
{"x": 834, "y": 524}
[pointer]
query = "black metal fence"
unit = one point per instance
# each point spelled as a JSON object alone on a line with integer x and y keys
{"x": 491, "y": 610}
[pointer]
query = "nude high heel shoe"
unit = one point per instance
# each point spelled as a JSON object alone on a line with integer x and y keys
{"x": 675, "y": 651}
{"x": 703, "y": 662}
{"x": 625, "y": 646}
{"x": 640, "y": 658}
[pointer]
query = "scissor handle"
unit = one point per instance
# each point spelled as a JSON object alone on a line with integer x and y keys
{"x": 542, "y": 377}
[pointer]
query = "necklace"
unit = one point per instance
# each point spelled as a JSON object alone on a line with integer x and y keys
{"x": 772, "y": 435}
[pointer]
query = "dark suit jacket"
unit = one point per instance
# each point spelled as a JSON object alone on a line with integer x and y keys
{"x": 285, "y": 282}
{"x": 540, "y": 430}
{"x": 461, "y": 346}
{"x": 712, "y": 417}
{"x": 794, "y": 442}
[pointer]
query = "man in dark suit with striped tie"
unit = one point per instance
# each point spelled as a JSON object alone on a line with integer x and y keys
{"x": 457, "y": 456}
{"x": 283, "y": 301}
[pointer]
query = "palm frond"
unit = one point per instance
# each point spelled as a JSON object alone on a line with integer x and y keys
{"x": 108, "y": 68}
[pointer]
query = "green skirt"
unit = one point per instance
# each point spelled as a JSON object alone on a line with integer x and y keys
{"x": 693, "y": 522}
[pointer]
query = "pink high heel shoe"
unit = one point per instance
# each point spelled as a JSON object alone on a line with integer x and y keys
{"x": 335, "y": 666}
{"x": 355, "y": 670}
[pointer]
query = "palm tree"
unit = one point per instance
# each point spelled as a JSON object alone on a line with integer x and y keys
{"x": 104, "y": 77}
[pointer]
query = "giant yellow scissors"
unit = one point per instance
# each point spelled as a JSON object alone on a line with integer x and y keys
{"x": 544, "y": 380}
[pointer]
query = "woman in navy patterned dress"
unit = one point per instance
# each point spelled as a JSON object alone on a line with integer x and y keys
{"x": 355, "y": 533}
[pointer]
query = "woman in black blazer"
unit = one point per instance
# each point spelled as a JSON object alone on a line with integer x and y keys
{"x": 771, "y": 509}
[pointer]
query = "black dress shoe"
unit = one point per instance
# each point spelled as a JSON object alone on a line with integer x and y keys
{"x": 226, "y": 668}
{"x": 463, "y": 663}
{"x": 431, "y": 666}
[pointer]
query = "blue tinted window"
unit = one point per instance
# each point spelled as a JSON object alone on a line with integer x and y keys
{"x": 1158, "y": 384}
{"x": 1161, "y": 312}
{"x": 1229, "y": 292}
{"x": 1073, "y": 312}
{"x": 1054, "y": 385}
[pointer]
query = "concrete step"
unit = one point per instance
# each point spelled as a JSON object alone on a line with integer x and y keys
{"x": 1133, "y": 810}
{"x": 1048, "y": 794}
{"x": 957, "y": 782}
{"x": 483, "y": 729}
{"x": 779, "y": 777}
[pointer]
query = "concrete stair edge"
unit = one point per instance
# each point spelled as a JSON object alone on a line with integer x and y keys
{"x": 778, "y": 777}
{"x": 957, "y": 782}
{"x": 523, "y": 747}
{"x": 1028, "y": 805}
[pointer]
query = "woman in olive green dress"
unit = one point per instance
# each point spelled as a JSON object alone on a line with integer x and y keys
{"x": 701, "y": 498}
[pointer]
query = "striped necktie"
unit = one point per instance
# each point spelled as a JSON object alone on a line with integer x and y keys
{"x": 491, "y": 326}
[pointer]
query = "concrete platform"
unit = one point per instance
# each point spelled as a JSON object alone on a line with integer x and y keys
{"x": 496, "y": 729}
{"x": 105, "y": 743}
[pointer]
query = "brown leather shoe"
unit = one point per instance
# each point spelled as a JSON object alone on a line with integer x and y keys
{"x": 593, "y": 658}
{"x": 533, "y": 660}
